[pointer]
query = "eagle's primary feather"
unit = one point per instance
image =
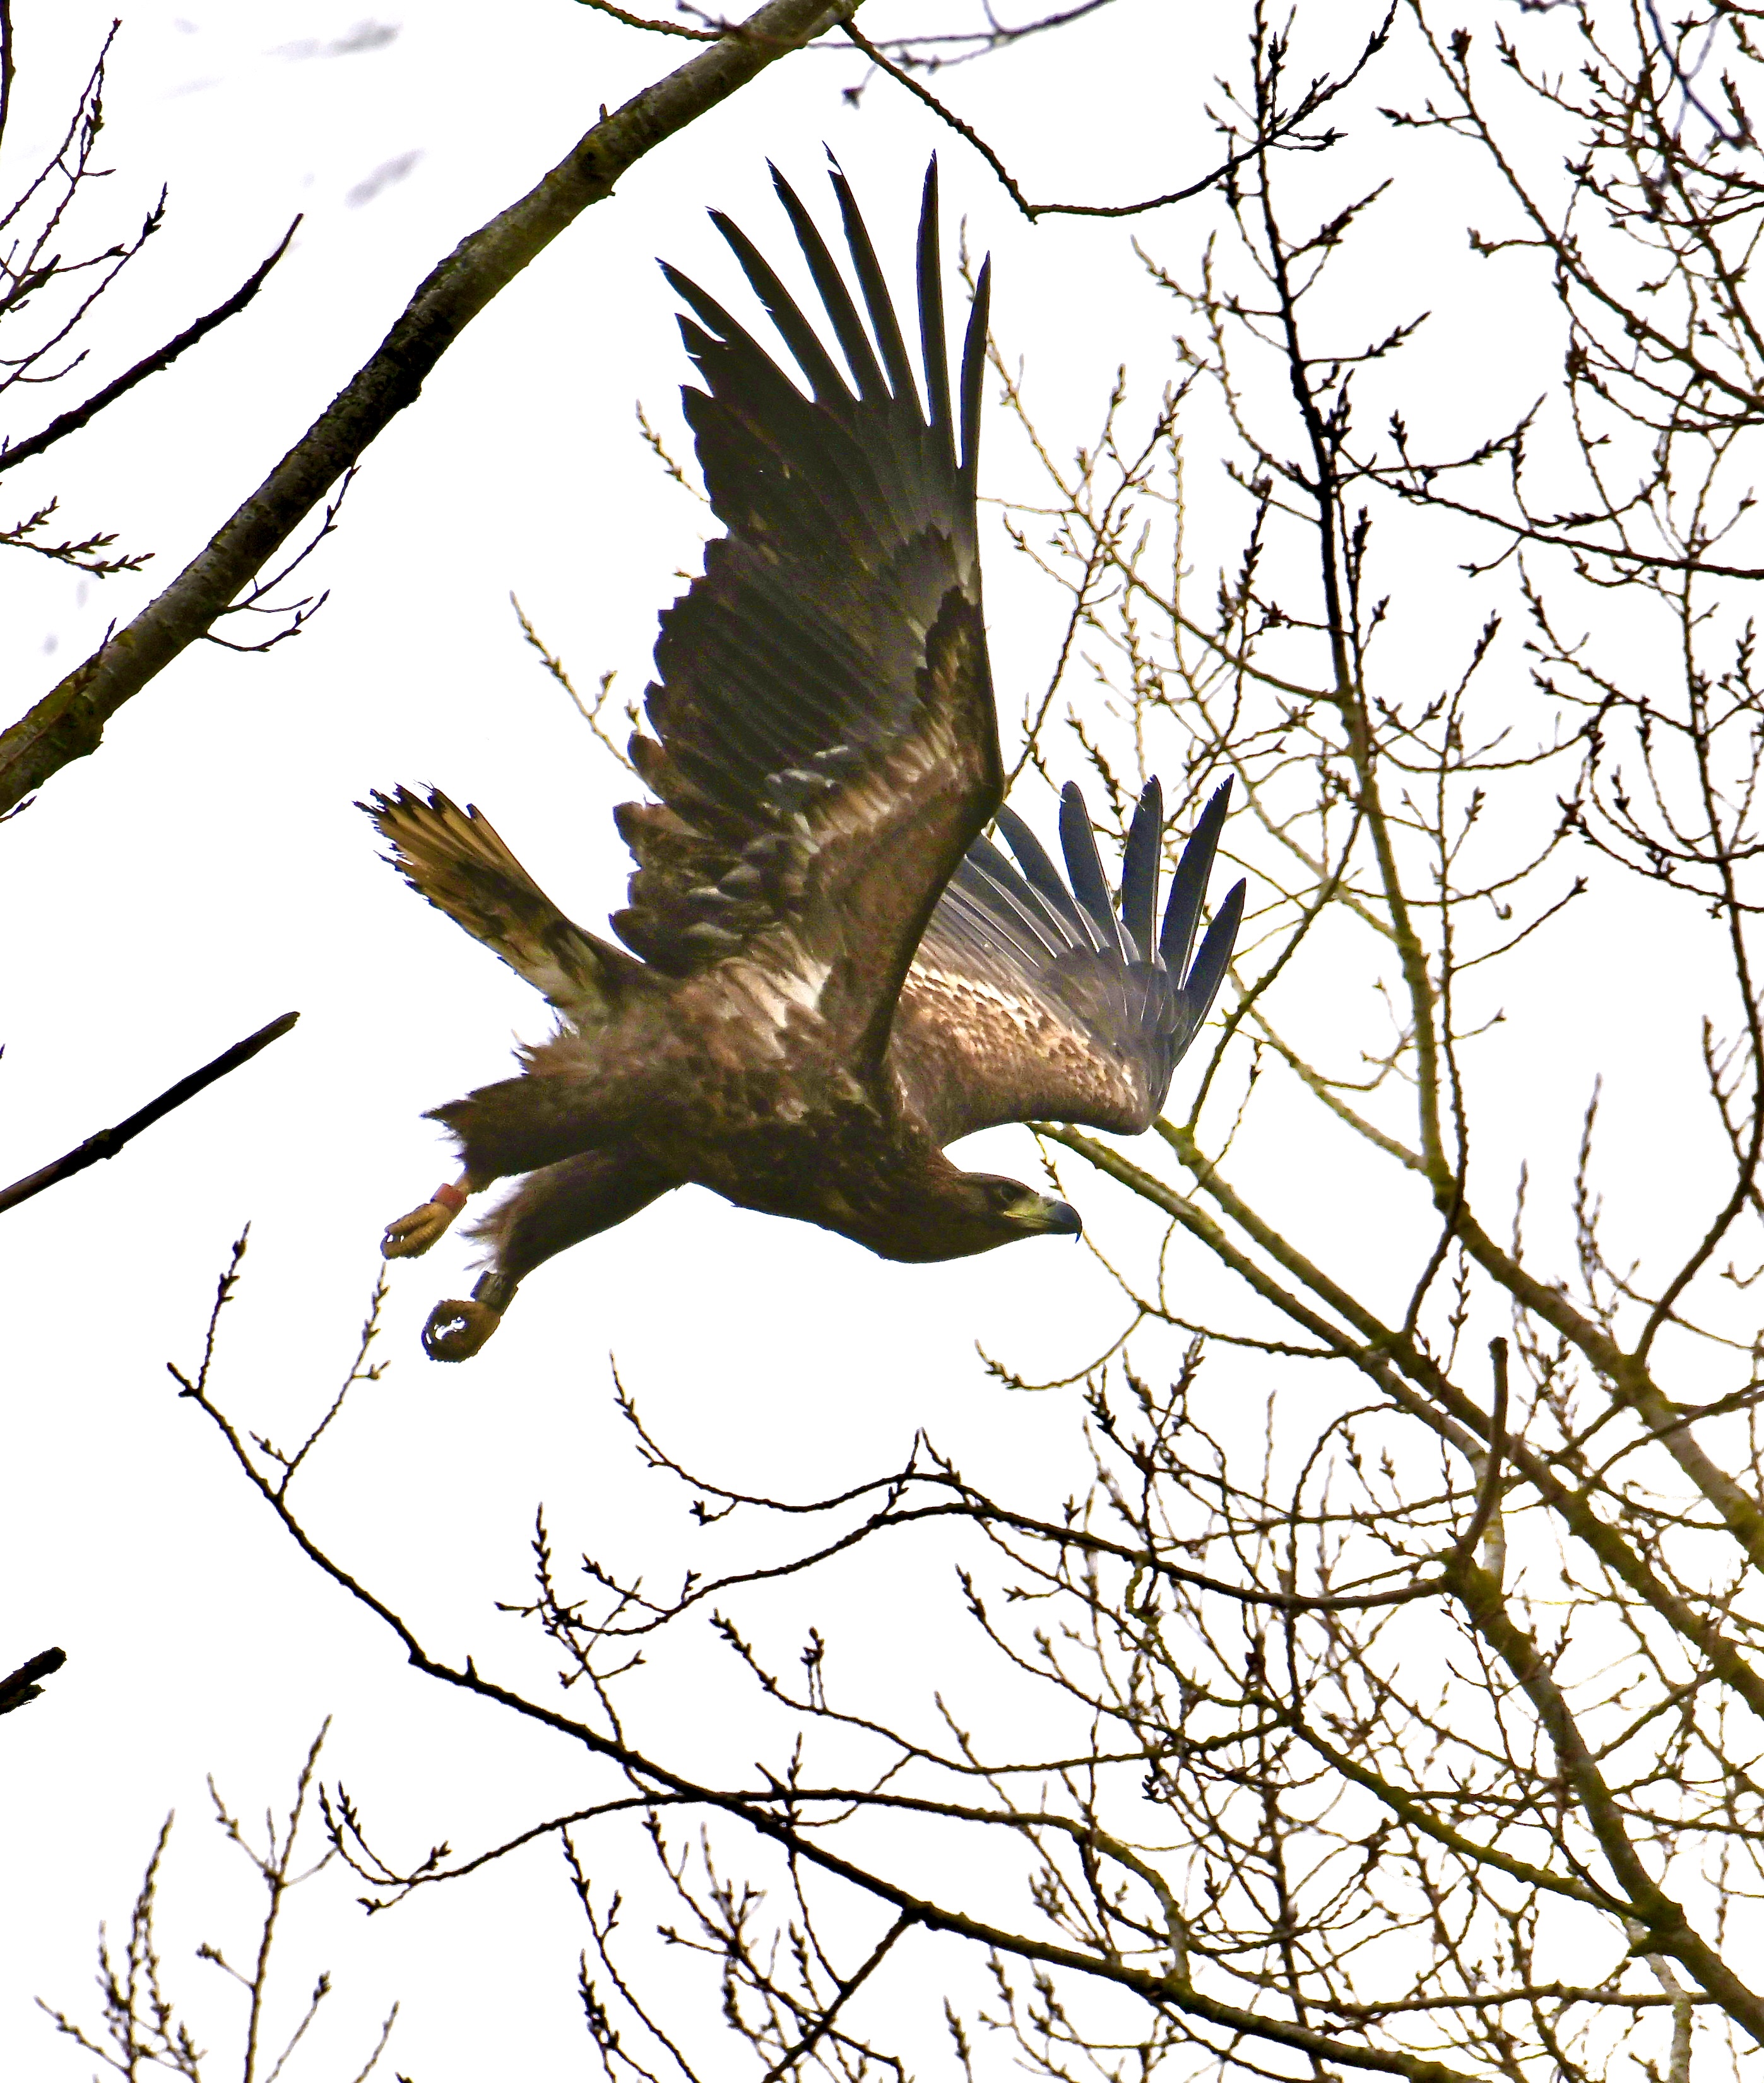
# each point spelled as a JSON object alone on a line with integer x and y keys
{"x": 832, "y": 971}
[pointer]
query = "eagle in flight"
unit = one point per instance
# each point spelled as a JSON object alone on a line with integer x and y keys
{"x": 829, "y": 971}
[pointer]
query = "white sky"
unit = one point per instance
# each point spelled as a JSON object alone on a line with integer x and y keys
{"x": 206, "y": 871}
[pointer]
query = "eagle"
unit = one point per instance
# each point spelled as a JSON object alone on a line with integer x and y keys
{"x": 828, "y": 971}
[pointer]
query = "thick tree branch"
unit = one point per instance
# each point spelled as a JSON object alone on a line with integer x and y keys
{"x": 69, "y": 722}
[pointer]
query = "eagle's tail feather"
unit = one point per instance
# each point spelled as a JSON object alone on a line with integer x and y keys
{"x": 458, "y": 860}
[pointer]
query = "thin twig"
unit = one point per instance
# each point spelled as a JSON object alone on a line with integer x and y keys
{"x": 71, "y": 421}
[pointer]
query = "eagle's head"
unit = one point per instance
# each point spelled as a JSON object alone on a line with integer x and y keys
{"x": 955, "y": 1214}
{"x": 1009, "y": 1209}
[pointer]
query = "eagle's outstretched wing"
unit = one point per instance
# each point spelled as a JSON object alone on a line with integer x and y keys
{"x": 1033, "y": 1000}
{"x": 825, "y": 746}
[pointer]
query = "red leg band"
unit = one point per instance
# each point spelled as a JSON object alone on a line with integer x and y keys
{"x": 449, "y": 1197}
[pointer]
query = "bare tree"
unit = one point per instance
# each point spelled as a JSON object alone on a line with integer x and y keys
{"x": 1385, "y": 1695}
{"x": 143, "y": 2028}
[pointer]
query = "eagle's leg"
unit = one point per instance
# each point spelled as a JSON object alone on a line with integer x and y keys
{"x": 411, "y": 1234}
{"x": 549, "y": 1211}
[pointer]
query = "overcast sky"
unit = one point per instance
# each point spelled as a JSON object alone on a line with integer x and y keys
{"x": 206, "y": 871}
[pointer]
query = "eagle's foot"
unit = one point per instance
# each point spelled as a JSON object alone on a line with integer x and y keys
{"x": 456, "y": 1330}
{"x": 411, "y": 1234}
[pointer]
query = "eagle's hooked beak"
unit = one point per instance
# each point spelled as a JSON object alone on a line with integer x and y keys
{"x": 1043, "y": 1217}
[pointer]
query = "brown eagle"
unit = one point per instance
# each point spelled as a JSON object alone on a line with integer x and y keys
{"x": 832, "y": 972}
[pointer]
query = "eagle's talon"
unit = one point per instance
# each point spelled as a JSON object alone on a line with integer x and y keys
{"x": 456, "y": 1330}
{"x": 411, "y": 1234}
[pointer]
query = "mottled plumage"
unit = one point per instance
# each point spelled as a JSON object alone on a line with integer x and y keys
{"x": 831, "y": 971}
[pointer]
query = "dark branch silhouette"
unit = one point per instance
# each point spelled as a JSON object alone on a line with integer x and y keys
{"x": 22, "y": 1685}
{"x": 108, "y": 1141}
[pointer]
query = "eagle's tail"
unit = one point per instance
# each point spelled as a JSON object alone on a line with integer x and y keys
{"x": 457, "y": 859}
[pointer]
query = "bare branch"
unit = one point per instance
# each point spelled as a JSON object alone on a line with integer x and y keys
{"x": 108, "y": 1141}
